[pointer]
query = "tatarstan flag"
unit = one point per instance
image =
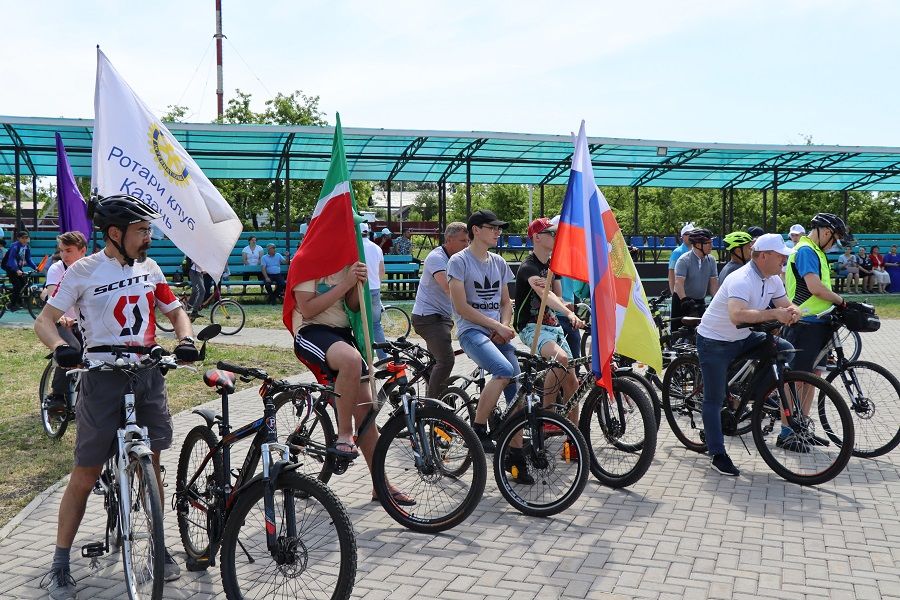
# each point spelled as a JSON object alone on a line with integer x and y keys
{"x": 332, "y": 239}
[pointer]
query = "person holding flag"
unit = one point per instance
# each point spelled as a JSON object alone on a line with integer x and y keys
{"x": 328, "y": 310}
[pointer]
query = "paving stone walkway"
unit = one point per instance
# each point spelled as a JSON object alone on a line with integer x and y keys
{"x": 683, "y": 531}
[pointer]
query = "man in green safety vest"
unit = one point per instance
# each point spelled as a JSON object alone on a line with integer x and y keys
{"x": 808, "y": 285}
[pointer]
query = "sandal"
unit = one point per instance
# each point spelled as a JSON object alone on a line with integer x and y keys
{"x": 399, "y": 498}
{"x": 348, "y": 453}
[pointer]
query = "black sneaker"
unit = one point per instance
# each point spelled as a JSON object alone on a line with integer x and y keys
{"x": 59, "y": 584}
{"x": 486, "y": 442}
{"x": 516, "y": 466}
{"x": 792, "y": 443}
{"x": 55, "y": 404}
{"x": 722, "y": 463}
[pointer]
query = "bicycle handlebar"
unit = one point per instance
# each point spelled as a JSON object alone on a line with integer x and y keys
{"x": 242, "y": 371}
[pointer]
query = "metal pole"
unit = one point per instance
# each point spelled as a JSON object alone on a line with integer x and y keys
{"x": 635, "y": 227}
{"x": 468, "y": 187}
{"x": 765, "y": 214}
{"x": 34, "y": 198}
{"x": 287, "y": 203}
{"x": 731, "y": 209}
{"x": 401, "y": 208}
{"x": 19, "y": 224}
{"x": 542, "y": 199}
{"x": 220, "y": 88}
{"x": 724, "y": 201}
{"x": 389, "y": 201}
{"x": 845, "y": 197}
{"x": 775, "y": 202}
{"x": 530, "y": 201}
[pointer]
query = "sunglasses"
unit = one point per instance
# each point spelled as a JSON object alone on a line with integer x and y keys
{"x": 550, "y": 233}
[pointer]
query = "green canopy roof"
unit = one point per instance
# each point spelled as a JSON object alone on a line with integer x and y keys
{"x": 268, "y": 151}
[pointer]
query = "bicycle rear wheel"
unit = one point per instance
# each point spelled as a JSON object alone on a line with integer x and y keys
{"x": 163, "y": 323}
{"x": 195, "y": 504}
{"x": 873, "y": 395}
{"x": 682, "y": 401}
{"x": 447, "y": 487}
{"x": 620, "y": 433}
{"x": 34, "y": 303}
{"x": 309, "y": 434}
{"x": 229, "y": 314}
{"x": 556, "y": 465}
{"x": 316, "y": 553}
{"x": 143, "y": 546}
{"x": 649, "y": 390}
{"x": 54, "y": 423}
{"x": 811, "y": 455}
{"x": 396, "y": 322}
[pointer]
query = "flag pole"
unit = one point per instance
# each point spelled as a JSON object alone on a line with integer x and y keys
{"x": 363, "y": 313}
{"x": 540, "y": 315}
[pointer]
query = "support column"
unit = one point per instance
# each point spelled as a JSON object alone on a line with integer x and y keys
{"x": 389, "y": 201}
{"x": 287, "y": 203}
{"x": 635, "y": 225}
{"x": 542, "y": 199}
{"x": 845, "y": 195}
{"x": 34, "y": 198}
{"x": 724, "y": 202}
{"x": 19, "y": 224}
{"x": 775, "y": 202}
{"x": 765, "y": 214}
{"x": 731, "y": 209}
{"x": 468, "y": 187}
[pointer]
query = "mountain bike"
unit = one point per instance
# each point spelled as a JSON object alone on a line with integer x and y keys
{"x": 872, "y": 391}
{"x": 30, "y": 296}
{"x": 761, "y": 395}
{"x": 226, "y": 312}
{"x": 55, "y": 422}
{"x": 128, "y": 481}
{"x": 281, "y": 533}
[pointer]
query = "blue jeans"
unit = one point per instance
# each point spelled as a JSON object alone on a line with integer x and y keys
{"x": 499, "y": 361}
{"x": 377, "y": 329}
{"x": 573, "y": 336}
{"x": 715, "y": 357}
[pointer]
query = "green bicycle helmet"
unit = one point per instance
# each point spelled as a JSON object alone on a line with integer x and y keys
{"x": 735, "y": 239}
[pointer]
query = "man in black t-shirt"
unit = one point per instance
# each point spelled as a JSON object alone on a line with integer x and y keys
{"x": 531, "y": 279}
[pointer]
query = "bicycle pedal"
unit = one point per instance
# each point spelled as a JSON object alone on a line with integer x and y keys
{"x": 93, "y": 550}
{"x": 98, "y": 490}
{"x": 197, "y": 564}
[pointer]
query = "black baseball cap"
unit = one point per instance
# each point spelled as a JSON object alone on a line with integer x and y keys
{"x": 485, "y": 217}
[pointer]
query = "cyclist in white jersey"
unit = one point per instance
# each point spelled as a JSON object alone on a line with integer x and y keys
{"x": 115, "y": 292}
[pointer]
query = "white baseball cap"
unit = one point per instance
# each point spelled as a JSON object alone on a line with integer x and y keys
{"x": 688, "y": 227}
{"x": 771, "y": 242}
{"x": 555, "y": 221}
{"x": 385, "y": 231}
{"x": 364, "y": 228}
{"x": 798, "y": 228}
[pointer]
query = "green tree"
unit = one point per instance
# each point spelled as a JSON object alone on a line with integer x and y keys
{"x": 174, "y": 113}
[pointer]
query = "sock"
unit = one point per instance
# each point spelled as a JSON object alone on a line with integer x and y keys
{"x": 785, "y": 431}
{"x": 60, "y": 558}
{"x": 480, "y": 429}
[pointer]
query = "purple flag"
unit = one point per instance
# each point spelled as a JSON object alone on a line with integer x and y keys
{"x": 72, "y": 208}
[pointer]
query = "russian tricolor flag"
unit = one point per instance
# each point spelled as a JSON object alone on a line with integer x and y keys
{"x": 582, "y": 252}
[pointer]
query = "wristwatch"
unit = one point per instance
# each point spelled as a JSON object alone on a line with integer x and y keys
{"x": 188, "y": 338}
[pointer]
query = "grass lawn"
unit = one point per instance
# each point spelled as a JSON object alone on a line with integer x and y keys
{"x": 29, "y": 461}
{"x": 269, "y": 317}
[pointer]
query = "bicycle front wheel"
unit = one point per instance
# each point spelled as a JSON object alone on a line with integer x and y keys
{"x": 649, "y": 390}
{"x": 548, "y": 473}
{"x": 143, "y": 543}
{"x": 229, "y": 314}
{"x": 196, "y": 483}
{"x": 396, "y": 322}
{"x": 449, "y": 482}
{"x": 873, "y": 395}
{"x": 620, "y": 433}
{"x": 809, "y": 455}
{"x": 315, "y": 553}
{"x": 55, "y": 423}
{"x": 682, "y": 400}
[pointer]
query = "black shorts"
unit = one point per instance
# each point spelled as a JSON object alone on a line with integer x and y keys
{"x": 808, "y": 339}
{"x": 312, "y": 343}
{"x": 98, "y": 414}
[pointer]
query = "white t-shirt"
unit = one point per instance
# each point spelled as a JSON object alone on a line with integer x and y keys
{"x": 54, "y": 276}
{"x": 253, "y": 255}
{"x": 374, "y": 258}
{"x": 747, "y": 284}
{"x": 116, "y": 303}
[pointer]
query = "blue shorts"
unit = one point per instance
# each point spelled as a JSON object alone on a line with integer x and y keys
{"x": 548, "y": 334}
{"x": 498, "y": 360}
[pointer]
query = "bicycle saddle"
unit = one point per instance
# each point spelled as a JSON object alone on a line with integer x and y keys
{"x": 219, "y": 378}
{"x": 691, "y": 322}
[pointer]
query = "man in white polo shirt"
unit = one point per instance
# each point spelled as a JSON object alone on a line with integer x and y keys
{"x": 743, "y": 298}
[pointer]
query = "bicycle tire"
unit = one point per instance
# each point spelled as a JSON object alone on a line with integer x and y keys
{"x": 459, "y": 477}
{"x": 34, "y": 303}
{"x": 818, "y": 462}
{"x": 879, "y": 405}
{"x": 555, "y": 459}
{"x": 314, "y": 461}
{"x": 54, "y": 425}
{"x": 682, "y": 401}
{"x": 163, "y": 323}
{"x": 621, "y": 450}
{"x": 851, "y": 339}
{"x": 396, "y": 322}
{"x": 197, "y": 507}
{"x": 650, "y": 390}
{"x": 145, "y": 506}
{"x": 326, "y": 533}
{"x": 229, "y": 314}
{"x": 460, "y": 402}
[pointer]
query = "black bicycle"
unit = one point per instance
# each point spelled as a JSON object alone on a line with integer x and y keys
{"x": 31, "y": 299}
{"x": 761, "y": 396}
{"x": 281, "y": 533}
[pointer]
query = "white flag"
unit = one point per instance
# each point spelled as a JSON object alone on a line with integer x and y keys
{"x": 134, "y": 153}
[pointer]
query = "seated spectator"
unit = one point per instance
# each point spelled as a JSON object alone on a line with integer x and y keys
{"x": 271, "y": 271}
{"x": 892, "y": 259}
{"x": 865, "y": 270}
{"x": 880, "y": 278}
{"x": 848, "y": 266}
{"x": 403, "y": 244}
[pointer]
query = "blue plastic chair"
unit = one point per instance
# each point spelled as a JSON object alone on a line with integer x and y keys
{"x": 669, "y": 242}
{"x": 637, "y": 241}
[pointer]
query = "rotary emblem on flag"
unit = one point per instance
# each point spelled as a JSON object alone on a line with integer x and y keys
{"x": 167, "y": 156}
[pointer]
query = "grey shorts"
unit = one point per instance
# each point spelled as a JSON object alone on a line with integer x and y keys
{"x": 98, "y": 414}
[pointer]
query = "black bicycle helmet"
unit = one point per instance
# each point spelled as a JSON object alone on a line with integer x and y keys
{"x": 120, "y": 210}
{"x": 756, "y": 231}
{"x": 700, "y": 236}
{"x": 832, "y": 222}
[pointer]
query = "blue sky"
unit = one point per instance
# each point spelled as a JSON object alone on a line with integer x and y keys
{"x": 726, "y": 71}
